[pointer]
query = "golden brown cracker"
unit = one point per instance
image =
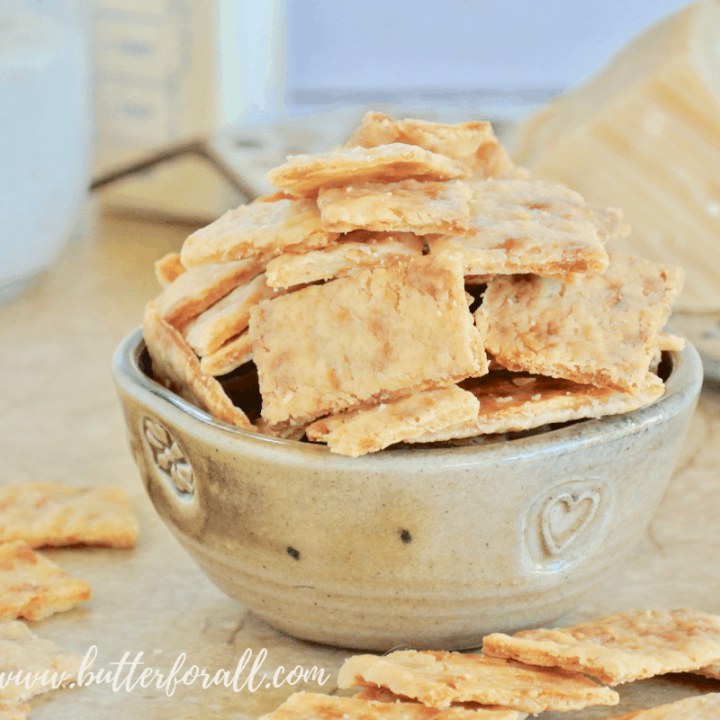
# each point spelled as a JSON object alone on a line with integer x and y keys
{"x": 701, "y": 707}
{"x": 198, "y": 288}
{"x": 472, "y": 143}
{"x": 260, "y": 230}
{"x": 619, "y": 648}
{"x": 360, "y": 432}
{"x": 306, "y": 174}
{"x": 438, "y": 679}
{"x": 51, "y": 514}
{"x": 365, "y": 339}
{"x": 359, "y": 249}
{"x": 229, "y": 356}
{"x": 175, "y": 364}
{"x": 33, "y": 587}
{"x": 24, "y": 655}
{"x": 601, "y": 332}
{"x": 10, "y": 710}
{"x": 168, "y": 268}
{"x": 510, "y": 402}
{"x": 404, "y": 206}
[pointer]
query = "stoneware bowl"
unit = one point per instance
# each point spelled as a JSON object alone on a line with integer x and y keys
{"x": 425, "y": 548}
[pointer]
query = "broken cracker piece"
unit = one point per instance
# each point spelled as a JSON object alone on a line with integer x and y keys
{"x": 359, "y": 249}
{"x": 601, "y": 332}
{"x": 23, "y": 653}
{"x": 619, "y": 648}
{"x": 528, "y": 226}
{"x": 413, "y": 324}
{"x": 405, "y": 206}
{"x": 438, "y": 679}
{"x": 198, "y": 288}
{"x": 360, "y": 432}
{"x": 168, "y": 268}
{"x": 701, "y": 707}
{"x": 314, "y": 706}
{"x": 48, "y": 514}
{"x": 472, "y": 143}
{"x": 10, "y": 710}
{"x": 259, "y": 230}
{"x": 33, "y": 587}
{"x": 306, "y": 174}
{"x": 175, "y": 364}
{"x": 229, "y": 356}
{"x": 670, "y": 342}
{"x": 510, "y": 402}
{"x": 227, "y": 317}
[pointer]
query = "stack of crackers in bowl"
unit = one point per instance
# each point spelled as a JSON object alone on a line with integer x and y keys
{"x": 413, "y": 286}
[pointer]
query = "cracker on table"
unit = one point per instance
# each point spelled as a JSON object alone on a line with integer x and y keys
{"x": 33, "y": 587}
{"x": 404, "y": 206}
{"x": 22, "y": 651}
{"x": 365, "y": 339}
{"x": 10, "y": 710}
{"x": 306, "y": 174}
{"x": 175, "y": 364}
{"x": 48, "y": 514}
{"x": 358, "y": 432}
{"x": 359, "y": 249}
{"x": 228, "y": 357}
{"x": 314, "y": 706}
{"x": 491, "y": 712}
{"x": 472, "y": 143}
{"x": 258, "y": 230}
{"x": 601, "y": 332}
{"x": 168, "y": 268}
{"x": 438, "y": 679}
{"x": 527, "y": 226}
{"x": 510, "y": 402}
{"x": 195, "y": 290}
{"x": 700, "y": 707}
{"x": 620, "y": 648}
{"x": 228, "y": 317}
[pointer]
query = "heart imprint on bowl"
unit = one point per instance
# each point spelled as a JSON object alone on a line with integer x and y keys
{"x": 565, "y": 516}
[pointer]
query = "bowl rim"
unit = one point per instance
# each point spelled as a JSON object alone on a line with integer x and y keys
{"x": 682, "y": 388}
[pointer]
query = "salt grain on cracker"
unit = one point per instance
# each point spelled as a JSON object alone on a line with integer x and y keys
{"x": 405, "y": 206}
{"x": 438, "y": 679}
{"x": 601, "y": 332}
{"x": 51, "y": 514}
{"x": 23, "y": 652}
{"x": 619, "y": 648}
{"x": 33, "y": 587}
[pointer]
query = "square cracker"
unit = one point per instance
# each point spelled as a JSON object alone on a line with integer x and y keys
{"x": 509, "y": 402}
{"x": 10, "y": 710}
{"x": 195, "y": 290}
{"x": 51, "y": 514}
{"x": 314, "y": 706}
{"x": 619, "y": 648}
{"x": 229, "y": 356}
{"x": 33, "y": 587}
{"x": 227, "y": 317}
{"x": 262, "y": 229}
{"x": 176, "y": 365}
{"x": 438, "y": 679}
{"x": 22, "y": 651}
{"x": 306, "y": 174}
{"x": 529, "y": 226}
{"x": 472, "y": 143}
{"x": 601, "y": 332}
{"x": 365, "y": 339}
{"x": 168, "y": 268}
{"x": 359, "y": 432}
{"x": 404, "y": 206}
{"x": 359, "y": 249}
{"x": 701, "y": 707}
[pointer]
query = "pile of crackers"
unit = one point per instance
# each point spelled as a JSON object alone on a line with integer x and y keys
{"x": 412, "y": 286}
{"x": 530, "y": 672}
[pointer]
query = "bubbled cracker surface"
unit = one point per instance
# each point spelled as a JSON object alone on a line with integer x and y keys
{"x": 602, "y": 331}
{"x": 619, "y": 648}
{"x": 364, "y": 339}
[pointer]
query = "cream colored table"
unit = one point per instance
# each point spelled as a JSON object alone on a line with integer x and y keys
{"x": 60, "y": 421}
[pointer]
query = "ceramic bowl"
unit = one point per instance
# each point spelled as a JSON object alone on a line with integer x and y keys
{"x": 425, "y": 548}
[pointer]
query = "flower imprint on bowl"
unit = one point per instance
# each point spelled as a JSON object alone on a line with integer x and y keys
{"x": 565, "y": 516}
{"x": 168, "y": 456}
